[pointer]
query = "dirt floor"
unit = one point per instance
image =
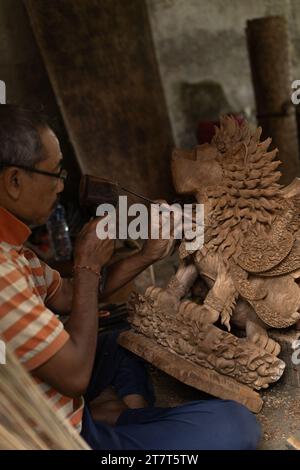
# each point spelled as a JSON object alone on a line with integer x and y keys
{"x": 280, "y": 416}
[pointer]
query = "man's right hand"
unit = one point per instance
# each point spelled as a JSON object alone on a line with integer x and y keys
{"x": 89, "y": 249}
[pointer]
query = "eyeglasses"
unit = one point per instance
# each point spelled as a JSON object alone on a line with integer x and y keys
{"x": 62, "y": 174}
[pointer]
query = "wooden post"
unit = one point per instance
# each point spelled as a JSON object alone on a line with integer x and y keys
{"x": 268, "y": 46}
{"x": 101, "y": 63}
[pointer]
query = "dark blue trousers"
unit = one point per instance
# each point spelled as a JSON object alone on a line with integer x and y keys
{"x": 199, "y": 425}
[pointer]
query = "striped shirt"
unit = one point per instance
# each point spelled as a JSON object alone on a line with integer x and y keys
{"x": 32, "y": 331}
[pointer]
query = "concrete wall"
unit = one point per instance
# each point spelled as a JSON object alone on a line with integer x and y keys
{"x": 202, "y": 54}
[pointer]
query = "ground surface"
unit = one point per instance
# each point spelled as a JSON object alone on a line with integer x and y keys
{"x": 279, "y": 418}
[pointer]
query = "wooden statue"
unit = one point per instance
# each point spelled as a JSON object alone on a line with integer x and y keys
{"x": 247, "y": 272}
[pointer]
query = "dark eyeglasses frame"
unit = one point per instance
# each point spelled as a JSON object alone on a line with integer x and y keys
{"x": 62, "y": 174}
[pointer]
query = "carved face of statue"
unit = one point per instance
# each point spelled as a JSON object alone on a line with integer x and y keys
{"x": 196, "y": 170}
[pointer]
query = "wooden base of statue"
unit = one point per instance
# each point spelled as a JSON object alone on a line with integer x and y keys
{"x": 185, "y": 371}
{"x": 184, "y": 343}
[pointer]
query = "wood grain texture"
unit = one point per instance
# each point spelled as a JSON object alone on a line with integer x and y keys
{"x": 196, "y": 376}
{"x": 101, "y": 63}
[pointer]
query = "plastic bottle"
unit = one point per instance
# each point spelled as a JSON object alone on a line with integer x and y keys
{"x": 59, "y": 234}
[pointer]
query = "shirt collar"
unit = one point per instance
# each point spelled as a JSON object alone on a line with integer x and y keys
{"x": 12, "y": 230}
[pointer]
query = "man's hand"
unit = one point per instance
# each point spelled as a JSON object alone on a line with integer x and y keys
{"x": 90, "y": 250}
{"x": 156, "y": 249}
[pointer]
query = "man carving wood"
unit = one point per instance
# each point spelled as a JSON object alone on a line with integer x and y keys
{"x": 68, "y": 361}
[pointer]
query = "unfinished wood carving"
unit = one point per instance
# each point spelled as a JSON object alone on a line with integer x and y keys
{"x": 246, "y": 274}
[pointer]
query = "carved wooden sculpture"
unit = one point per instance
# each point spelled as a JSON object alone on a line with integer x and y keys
{"x": 250, "y": 261}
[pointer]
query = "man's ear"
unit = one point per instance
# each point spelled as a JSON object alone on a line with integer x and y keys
{"x": 12, "y": 182}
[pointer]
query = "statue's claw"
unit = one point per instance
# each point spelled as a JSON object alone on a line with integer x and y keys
{"x": 264, "y": 342}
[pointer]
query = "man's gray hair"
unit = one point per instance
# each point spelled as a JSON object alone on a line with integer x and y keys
{"x": 20, "y": 140}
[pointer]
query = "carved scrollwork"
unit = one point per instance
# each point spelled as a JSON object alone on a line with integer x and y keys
{"x": 193, "y": 338}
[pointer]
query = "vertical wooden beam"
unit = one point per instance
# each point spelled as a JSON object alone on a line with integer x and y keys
{"x": 268, "y": 45}
{"x": 100, "y": 59}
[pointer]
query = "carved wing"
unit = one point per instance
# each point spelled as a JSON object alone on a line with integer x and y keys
{"x": 262, "y": 253}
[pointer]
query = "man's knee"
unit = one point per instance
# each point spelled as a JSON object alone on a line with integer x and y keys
{"x": 241, "y": 429}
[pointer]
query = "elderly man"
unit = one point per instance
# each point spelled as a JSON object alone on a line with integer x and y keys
{"x": 68, "y": 361}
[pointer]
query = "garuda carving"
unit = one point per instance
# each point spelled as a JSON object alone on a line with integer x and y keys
{"x": 248, "y": 270}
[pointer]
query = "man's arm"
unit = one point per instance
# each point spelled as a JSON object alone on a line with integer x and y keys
{"x": 61, "y": 302}
{"x": 118, "y": 274}
{"x": 125, "y": 270}
{"x": 70, "y": 368}
{"x": 68, "y": 371}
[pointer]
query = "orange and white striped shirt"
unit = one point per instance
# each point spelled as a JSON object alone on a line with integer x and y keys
{"x": 31, "y": 330}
